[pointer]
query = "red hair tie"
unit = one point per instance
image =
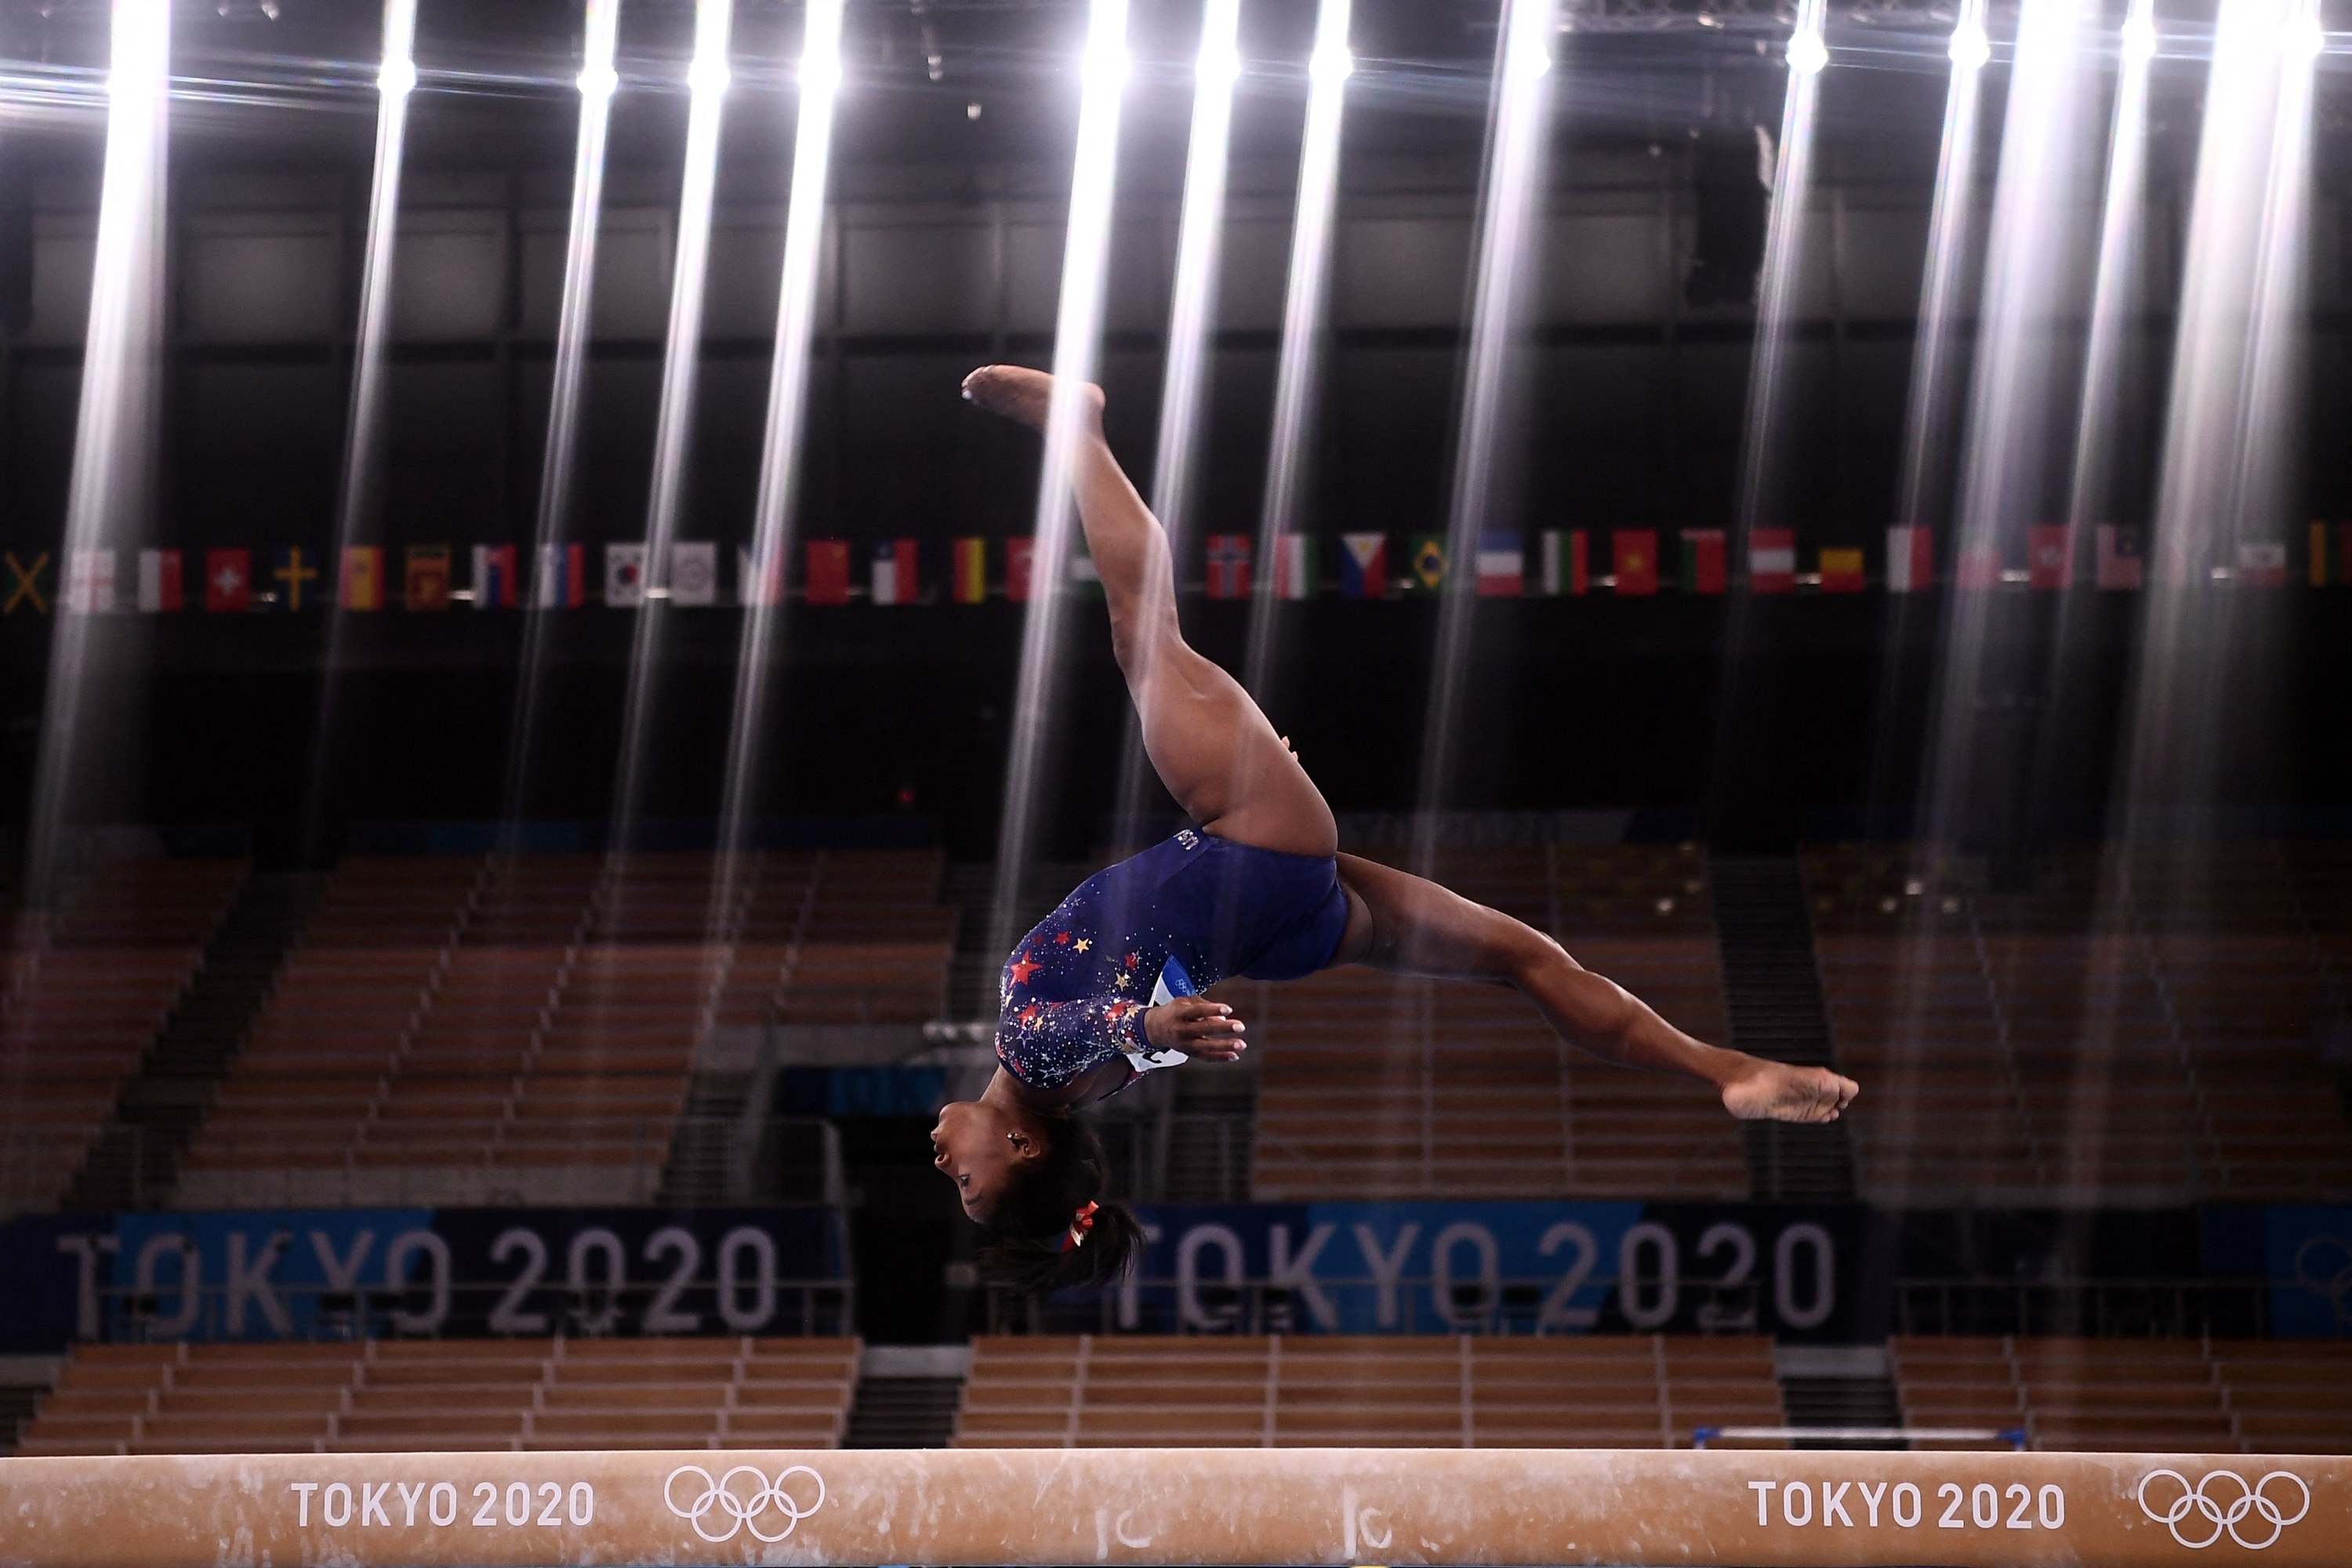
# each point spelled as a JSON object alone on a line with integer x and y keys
{"x": 1081, "y": 1223}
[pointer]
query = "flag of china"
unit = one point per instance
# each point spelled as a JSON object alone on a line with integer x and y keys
{"x": 228, "y": 580}
{"x": 1635, "y": 559}
{"x": 828, "y": 572}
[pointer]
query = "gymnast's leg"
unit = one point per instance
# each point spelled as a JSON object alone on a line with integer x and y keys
{"x": 1207, "y": 739}
{"x": 1409, "y": 925}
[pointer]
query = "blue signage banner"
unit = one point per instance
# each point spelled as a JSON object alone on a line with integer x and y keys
{"x": 1799, "y": 1271}
{"x": 2305, "y": 1253}
{"x": 291, "y": 1274}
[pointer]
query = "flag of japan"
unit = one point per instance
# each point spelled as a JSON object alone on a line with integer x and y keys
{"x": 1228, "y": 565}
{"x": 1772, "y": 560}
{"x": 827, "y": 566}
{"x": 2050, "y": 557}
{"x": 158, "y": 581}
{"x": 1294, "y": 566}
{"x": 228, "y": 580}
{"x": 1502, "y": 566}
{"x": 694, "y": 573}
{"x": 1910, "y": 560}
{"x": 1364, "y": 565}
{"x": 2120, "y": 566}
{"x": 894, "y": 572}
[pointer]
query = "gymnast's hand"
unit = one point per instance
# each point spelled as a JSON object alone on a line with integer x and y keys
{"x": 1776, "y": 1091}
{"x": 1205, "y": 1030}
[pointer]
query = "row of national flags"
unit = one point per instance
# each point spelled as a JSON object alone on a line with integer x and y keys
{"x": 1551, "y": 563}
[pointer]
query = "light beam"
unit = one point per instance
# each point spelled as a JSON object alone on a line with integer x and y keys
{"x": 110, "y": 495}
{"x": 1077, "y": 329}
{"x": 1192, "y": 317}
{"x": 706, "y": 79}
{"x": 1518, "y": 135}
{"x": 1297, "y": 376}
{"x": 775, "y": 506}
{"x": 597, "y": 83}
{"x": 359, "y": 497}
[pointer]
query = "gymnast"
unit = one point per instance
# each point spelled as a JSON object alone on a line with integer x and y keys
{"x": 1108, "y": 986}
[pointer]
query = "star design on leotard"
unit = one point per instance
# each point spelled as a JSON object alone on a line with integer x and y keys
{"x": 1133, "y": 959}
{"x": 1063, "y": 940}
{"x": 1023, "y": 969}
{"x": 1029, "y": 1016}
{"x": 1086, "y": 944}
{"x": 1122, "y": 981}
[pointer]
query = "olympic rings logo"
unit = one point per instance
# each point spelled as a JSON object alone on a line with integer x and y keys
{"x": 719, "y": 1496}
{"x": 2226, "y": 1511}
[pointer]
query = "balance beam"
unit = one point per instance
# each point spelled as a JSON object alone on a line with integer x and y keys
{"x": 1340, "y": 1506}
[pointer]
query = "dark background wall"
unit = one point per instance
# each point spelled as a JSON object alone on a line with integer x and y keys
{"x": 942, "y": 251}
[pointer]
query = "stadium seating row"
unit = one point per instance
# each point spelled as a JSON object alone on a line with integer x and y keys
{"x": 545, "y": 1011}
{"x": 2198, "y": 1397}
{"x": 2160, "y": 1043}
{"x": 447, "y": 1395}
{"x": 1287, "y": 1392}
{"x": 82, "y": 993}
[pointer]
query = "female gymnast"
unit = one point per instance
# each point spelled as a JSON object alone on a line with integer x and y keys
{"x": 1107, "y": 986}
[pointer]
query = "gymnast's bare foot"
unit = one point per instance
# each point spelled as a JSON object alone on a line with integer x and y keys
{"x": 1776, "y": 1091}
{"x": 1019, "y": 392}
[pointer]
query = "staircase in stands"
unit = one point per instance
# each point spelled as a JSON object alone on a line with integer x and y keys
{"x": 135, "y": 1160}
{"x": 906, "y": 1396}
{"x": 1772, "y": 993}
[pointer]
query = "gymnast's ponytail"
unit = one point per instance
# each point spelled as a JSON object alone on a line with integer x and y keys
{"x": 1052, "y": 1230}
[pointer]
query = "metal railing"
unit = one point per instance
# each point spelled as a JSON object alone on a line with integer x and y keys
{"x": 2095, "y": 1309}
{"x": 470, "y": 1309}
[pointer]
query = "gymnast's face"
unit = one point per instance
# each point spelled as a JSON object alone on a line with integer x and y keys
{"x": 978, "y": 1147}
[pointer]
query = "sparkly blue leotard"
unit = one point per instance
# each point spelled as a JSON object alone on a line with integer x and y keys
{"x": 1172, "y": 921}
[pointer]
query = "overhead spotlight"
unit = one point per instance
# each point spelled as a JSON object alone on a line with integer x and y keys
{"x": 2140, "y": 37}
{"x": 1807, "y": 52}
{"x": 972, "y": 110}
{"x": 599, "y": 81}
{"x": 707, "y": 75}
{"x": 1332, "y": 65}
{"x": 1106, "y": 64}
{"x": 935, "y": 66}
{"x": 1970, "y": 47}
{"x": 1220, "y": 64}
{"x": 821, "y": 72}
{"x": 1530, "y": 60}
{"x": 1709, "y": 19}
{"x": 397, "y": 78}
{"x": 2306, "y": 38}
{"x": 269, "y": 9}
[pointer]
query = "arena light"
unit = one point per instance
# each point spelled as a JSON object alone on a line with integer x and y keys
{"x": 110, "y": 494}
{"x": 1926, "y": 429}
{"x": 1970, "y": 47}
{"x": 1784, "y": 233}
{"x": 560, "y": 452}
{"x": 1077, "y": 330}
{"x": 1192, "y": 317}
{"x": 673, "y": 416}
{"x": 2230, "y": 449}
{"x": 1298, "y": 374}
{"x": 2116, "y": 289}
{"x": 775, "y": 506}
{"x": 1485, "y": 481}
{"x": 359, "y": 500}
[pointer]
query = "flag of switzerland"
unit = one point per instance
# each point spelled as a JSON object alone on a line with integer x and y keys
{"x": 228, "y": 580}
